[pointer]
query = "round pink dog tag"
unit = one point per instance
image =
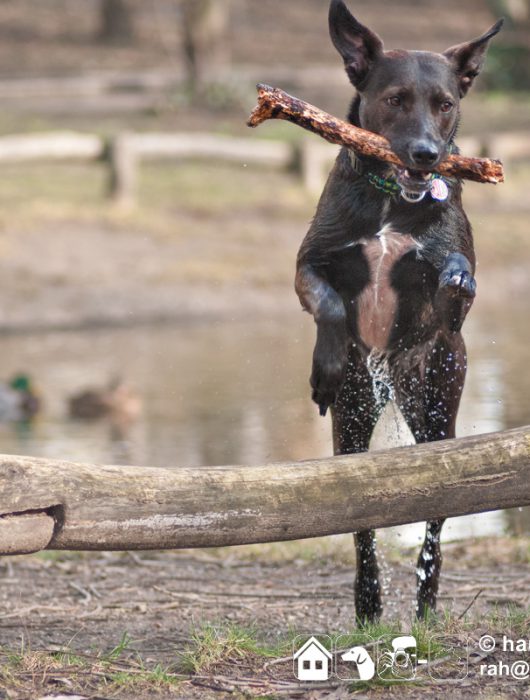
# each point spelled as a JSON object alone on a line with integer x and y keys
{"x": 439, "y": 189}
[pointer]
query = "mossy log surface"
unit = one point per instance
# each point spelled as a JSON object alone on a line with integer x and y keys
{"x": 63, "y": 505}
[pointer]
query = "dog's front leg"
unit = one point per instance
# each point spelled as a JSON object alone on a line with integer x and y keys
{"x": 330, "y": 357}
{"x": 456, "y": 291}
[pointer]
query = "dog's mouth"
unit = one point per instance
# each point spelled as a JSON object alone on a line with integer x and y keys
{"x": 414, "y": 181}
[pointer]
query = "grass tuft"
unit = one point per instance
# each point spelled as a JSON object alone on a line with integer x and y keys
{"x": 214, "y": 644}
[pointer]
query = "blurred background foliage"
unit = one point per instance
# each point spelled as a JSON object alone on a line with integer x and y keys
{"x": 509, "y": 60}
{"x": 207, "y": 247}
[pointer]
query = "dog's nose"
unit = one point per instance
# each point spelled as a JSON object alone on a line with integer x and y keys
{"x": 424, "y": 154}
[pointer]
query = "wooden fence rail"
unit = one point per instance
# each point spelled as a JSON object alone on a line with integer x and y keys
{"x": 123, "y": 154}
{"x": 55, "y": 145}
{"x": 47, "y": 504}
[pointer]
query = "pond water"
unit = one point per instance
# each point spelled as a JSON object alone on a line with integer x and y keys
{"x": 232, "y": 392}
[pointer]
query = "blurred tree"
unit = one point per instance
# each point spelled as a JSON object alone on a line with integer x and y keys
{"x": 508, "y": 65}
{"x": 516, "y": 12}
{"x": 116, "y": 21}
{"x": 204, "y": 39}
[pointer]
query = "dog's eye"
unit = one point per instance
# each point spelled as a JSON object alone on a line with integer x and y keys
{"x": 394, "y": 101}
{"x": 446, "y": 106}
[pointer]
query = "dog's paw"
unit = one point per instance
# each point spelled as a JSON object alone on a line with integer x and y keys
{"x": 460, "y": 282}
{"x": 456, "y": 276}
{"x": 326, "y": 381}
{"x": 329, "y": 371}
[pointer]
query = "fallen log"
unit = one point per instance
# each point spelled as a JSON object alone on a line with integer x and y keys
{"x": 62, "y": 505}
{"x": 274, "y": 103}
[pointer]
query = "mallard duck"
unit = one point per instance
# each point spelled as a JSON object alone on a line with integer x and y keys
{"x": 19, "y": 399}
{"x": 117, "y": 401}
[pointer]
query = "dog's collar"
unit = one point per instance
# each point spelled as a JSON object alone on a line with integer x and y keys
{"x": 390, "y": 185}
{"x": 356, "y": 163}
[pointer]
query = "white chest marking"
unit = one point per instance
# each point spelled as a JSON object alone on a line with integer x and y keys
{"x": 377, "y": 303}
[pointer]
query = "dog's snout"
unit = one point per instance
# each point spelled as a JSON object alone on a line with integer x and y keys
{"x": 424, "y": 154}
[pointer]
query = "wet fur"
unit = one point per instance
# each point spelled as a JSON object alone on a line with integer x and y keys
{"x": 389, "y": 283}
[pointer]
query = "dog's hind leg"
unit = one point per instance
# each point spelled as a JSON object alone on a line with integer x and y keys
{"x": 354, "y": 416}
{"x": 367, "y": 588}
{"x": 428, "y": 570}
{"x": 428, "y": 387}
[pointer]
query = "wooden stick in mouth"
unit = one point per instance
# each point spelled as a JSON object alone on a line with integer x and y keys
{"x": 274, "y": 103}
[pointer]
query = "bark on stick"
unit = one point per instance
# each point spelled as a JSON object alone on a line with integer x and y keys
{"x": 274, "y": 103}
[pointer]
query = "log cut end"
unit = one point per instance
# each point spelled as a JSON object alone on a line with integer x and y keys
{"x": 25, "y": 533}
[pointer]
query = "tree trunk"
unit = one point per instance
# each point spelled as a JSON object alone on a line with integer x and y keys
{"x": 116, "y": 22}
{"x": 204, "y": 39}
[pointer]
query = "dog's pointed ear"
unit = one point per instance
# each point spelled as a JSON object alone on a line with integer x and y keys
{"x": 358, "y": 45}
{"x": 468, "y": 58}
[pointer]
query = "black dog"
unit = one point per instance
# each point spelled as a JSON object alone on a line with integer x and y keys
{"x": 387, "y": 266}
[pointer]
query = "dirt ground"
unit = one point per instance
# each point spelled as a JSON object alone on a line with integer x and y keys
{"x": 127, "y": 625}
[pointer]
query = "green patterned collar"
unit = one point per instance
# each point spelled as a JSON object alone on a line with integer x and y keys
{"x": 388, "y": 185}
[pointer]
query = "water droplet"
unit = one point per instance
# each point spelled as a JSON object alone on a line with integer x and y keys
{"x": 421, "y": 574}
